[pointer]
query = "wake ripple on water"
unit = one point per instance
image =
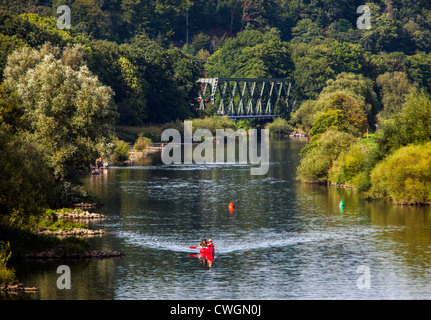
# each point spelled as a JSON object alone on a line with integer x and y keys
{"x": 232, "y": 244}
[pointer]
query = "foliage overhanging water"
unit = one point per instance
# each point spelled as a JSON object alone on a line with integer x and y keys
{"x": 284, "y": 240}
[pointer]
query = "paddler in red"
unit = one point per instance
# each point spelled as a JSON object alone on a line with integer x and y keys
{"x": 203, "y": 244}
{"x": 211, "y": 245}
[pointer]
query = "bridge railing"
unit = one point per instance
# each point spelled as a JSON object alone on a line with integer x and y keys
{"x": 245, "y": 97}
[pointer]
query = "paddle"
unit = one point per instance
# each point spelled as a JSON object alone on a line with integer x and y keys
{"x": 193, "y": 247}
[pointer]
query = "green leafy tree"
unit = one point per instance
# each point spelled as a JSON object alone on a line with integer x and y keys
{"x": 384, "y": 33}
{"x": 314, "y": 66}
{"x": 412, "y": 124}
{"x": 88, "y": 17}
{"x": 330, "y": 120}
{"x": 394, "y": 89}
{"x": 67, "y": 110}
{"x": 351, "y": 167}
{"x": 419, "y": 69}
{"x": 360, "y": 88}
{"x": 171, "y": 77}
{"x": 26, "y": 182}
{"x": 404, "y": 176}
{"x": 316, "y": 163}
{"x": 121, "y": 151}
{"x": 251, "y": 54}
{"x": 350, "y": 57}
{"x": 305, "y": 31}
{"x": 351, "y": 94}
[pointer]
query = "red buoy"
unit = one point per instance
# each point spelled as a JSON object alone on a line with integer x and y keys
{"x": 231, "y": 204}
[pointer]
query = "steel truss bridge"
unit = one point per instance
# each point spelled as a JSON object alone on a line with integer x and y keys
{"x": 245, "y": 97}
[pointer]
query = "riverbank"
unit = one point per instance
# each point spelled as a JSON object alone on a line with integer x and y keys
{"x": 61, "y": 234}
{"x": 341, "y": 160}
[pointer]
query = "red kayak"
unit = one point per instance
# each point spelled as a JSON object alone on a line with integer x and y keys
{"x": 206, "y": 250}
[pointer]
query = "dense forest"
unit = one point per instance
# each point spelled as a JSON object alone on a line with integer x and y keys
{"x": 136, "y": 63}
{"x": 151, "y": 52}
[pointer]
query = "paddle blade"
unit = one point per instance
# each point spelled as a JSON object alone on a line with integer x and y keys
{"x": 192, "y": 247}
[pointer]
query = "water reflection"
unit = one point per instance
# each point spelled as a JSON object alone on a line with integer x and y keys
{"x": 283, "y": 239}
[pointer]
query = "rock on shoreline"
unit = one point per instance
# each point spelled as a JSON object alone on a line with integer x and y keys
{"x": 79, "y": 214}
{"x": 79, "y": 232}
{"x": 53, "y": 254}
{"x": 86, "y": 205}
{"x": 17, "y": 288}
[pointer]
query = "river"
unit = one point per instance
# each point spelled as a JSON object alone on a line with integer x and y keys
{"x": 283, "y": 240}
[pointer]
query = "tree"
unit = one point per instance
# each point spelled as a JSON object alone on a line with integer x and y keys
{"x": 88, "y": 17}
{"x": 394, "y": 89}
{"x": 330, "y": 120}
{"x": 26, "y": 180}
{"x": 345, "y": 114}
{"x": 419, "y": 69}
{"x": 351, "y": 167}
{"x": 67, "y": 110}
{"x": 316, "y": 163}
{"x": 351, "y": 94}
{"x": 171, "y": 76}
{"x": 305, "y": 31}
{"x": 384, "y": 33}
{"x": 352, "y": 110}
{"x": 7, "y": 45}
{"x": 251, "y": 54}
{"x": 350, "y": 57}
{"x": 314, "y": 66}
{"x": 404, "y": 176}
{"x": 360, "y": 88}
{"x": 412, "y": 124}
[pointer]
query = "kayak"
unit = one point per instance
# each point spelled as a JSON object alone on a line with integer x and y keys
{"x": 206, "y": 250}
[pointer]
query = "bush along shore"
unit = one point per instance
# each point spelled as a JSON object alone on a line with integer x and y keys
{"x": 60, "y": 235}
{"x": 393, "y": 163}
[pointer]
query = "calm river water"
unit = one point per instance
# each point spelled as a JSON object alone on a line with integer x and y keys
{"x": 284, "y": 240}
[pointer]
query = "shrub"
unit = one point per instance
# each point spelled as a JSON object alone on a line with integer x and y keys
{"x": 279, "y": 127}
{"x": 333, "y": 119}
{"x": 142, "y": 143}
{"x": 315, "y": 164}
{"x": 247, "y": 124}
{"x": 350, "y": 167}
{"x": 412, "y": 124}
{"x": 213, "y": 123}
{"x": 404, "y": 176}
{"x": 121, "y": 151}
{"x": 7, "y": 276}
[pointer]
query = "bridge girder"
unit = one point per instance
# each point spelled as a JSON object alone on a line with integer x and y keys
{"x": 245, "y": 97}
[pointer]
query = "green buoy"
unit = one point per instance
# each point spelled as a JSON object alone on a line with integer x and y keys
{"x": 341, "y": 203}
